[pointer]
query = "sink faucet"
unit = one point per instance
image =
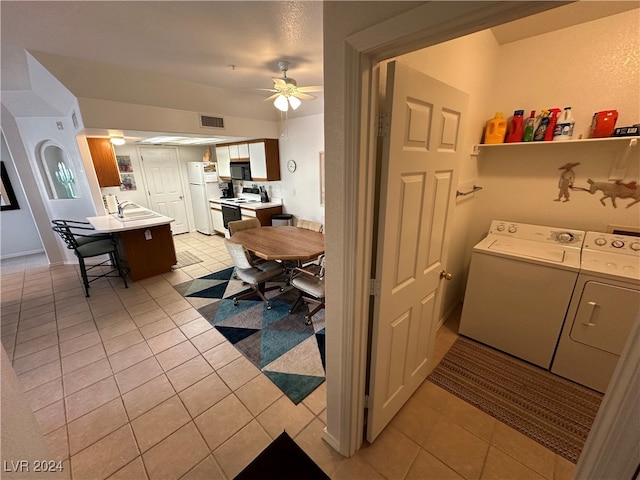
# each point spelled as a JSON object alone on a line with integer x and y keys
{"x": 123, "y": 205}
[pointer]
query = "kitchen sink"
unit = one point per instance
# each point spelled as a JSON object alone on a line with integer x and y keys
{"x": 136, "y": 214}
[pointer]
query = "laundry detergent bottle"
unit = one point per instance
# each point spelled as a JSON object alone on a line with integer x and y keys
{"x": 564, "y": 126}
{"x": 496, "y": 129}
{"x": 516, "y": 127}
{"x": 541, "y": 129}
{"x": 529, "y": 127}
{"x": 554, "y": 113}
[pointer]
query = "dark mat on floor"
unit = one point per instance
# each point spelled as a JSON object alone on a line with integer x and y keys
{"x": 551, "y": 410}
{"x": 283, "y": 459}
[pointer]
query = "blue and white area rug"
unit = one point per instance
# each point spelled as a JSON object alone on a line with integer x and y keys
{"x": 286, "y": 350}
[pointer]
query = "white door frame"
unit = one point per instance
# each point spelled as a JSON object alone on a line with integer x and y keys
{"x": 426, "y": 25}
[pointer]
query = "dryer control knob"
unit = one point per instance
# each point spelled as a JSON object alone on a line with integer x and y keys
{"x": 513, "y": 229}
{"x": 565, "y": 237}
{"x": 617, "y": 244}
{"x": 635, "y": 246}
{"x": 600, "y": 242}
{"x": 500, "y": 228}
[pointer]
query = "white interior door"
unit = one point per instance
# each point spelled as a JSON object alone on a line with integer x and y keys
{"x": 416, "y": 199}
{"x": 162, "y": 173}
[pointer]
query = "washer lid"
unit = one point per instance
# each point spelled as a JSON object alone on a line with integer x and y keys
{"x": 558, "y": 255}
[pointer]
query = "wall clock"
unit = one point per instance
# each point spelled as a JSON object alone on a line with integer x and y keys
{"x": 291, "y": 166}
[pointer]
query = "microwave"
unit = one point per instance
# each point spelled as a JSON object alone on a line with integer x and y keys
{"x": 240, "y": 171}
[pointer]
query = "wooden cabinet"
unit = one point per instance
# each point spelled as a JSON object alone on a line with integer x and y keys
{"x": 104, "y": 162}
{"x": 262, "y": 214}
{"x": 147, "y": 251}
{"x": 223, "y": 158}
{"x": 264, "y": 157}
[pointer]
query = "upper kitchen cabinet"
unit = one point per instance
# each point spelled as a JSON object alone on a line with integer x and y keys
{"x": 239, "y": 152}
{"x": 223, "y": 158}
{"x": 264, "y": 157}
{"x": 104, "y": 161}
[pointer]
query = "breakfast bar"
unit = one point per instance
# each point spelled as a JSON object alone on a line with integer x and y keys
{"x": 145, "y": 242}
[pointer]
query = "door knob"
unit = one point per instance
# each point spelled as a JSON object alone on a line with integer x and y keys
{"x": 446, "y": 275}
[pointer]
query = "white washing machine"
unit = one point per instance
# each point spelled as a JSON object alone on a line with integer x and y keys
{"x": 519, "y": 288}
{"x": 605, "y": 304}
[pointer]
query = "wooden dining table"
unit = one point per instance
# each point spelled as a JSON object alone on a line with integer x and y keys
{"x": 281, "y": 243}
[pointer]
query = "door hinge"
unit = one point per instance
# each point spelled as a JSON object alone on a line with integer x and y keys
{"x": 384, "y": 126}
{"x": 366, "y": 401}
{"x": 374, "y": 287}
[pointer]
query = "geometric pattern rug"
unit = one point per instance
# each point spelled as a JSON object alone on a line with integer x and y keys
{"x": 551, "y": 410}
{"x": 290, "y": 353}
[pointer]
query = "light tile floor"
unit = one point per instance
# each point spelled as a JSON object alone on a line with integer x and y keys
{"x": 135, "y": 384}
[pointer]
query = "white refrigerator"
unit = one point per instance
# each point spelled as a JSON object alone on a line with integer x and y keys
{"x": 203, "y": 185}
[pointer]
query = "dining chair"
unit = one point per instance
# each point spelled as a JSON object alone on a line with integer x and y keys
{"x": 239, "y": 225}
{"x": 309, "y": 281}
{"x": 89, "y": 246}
{"x": 309, "y": 225}
{"x": 253, "y": 274}
{"x": 83, "y": 230}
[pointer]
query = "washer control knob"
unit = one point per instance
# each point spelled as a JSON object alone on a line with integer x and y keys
{"x": 635, "y": 246}
{"x": 617, "y": 244}
{"x": 513, "y": 229}
{"x": 500, "y": 227}
{"x": 565, "y": 237}
{"x": 600, "y": 241}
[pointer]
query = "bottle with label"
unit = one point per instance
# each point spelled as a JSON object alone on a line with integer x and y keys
{"x": 541, "y": 129}
{"x": 516, "y": 128}
{"x": 554, "y": 113}
{"x": 564, "y": 126}
{"x": 496, "y": 129}
{"x": 529, "y": 127}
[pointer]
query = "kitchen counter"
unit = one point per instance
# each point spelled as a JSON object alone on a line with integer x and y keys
{"x": 145, "y": 242}
{"x": 249, "y": 205}
{"x": 112, "y": 224}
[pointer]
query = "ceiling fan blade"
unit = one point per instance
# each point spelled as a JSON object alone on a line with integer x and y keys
{"x": 272, "y": 97}
{"x": 316, "y": 88}
{"x": 303, "y": 96}
{"x": 279, "y": 82}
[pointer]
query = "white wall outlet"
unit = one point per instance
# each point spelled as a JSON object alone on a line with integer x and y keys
{"x": 147, "y": 234}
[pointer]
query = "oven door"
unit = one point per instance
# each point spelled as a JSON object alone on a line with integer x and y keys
{"x": 230, "y": 213}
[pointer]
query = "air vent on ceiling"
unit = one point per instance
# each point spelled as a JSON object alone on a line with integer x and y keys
{"x": 211, "y": 122}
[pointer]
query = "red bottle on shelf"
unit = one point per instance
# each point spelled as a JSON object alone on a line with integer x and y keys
{"x": 553, "y": 119}
{"x": 516, "y": 127}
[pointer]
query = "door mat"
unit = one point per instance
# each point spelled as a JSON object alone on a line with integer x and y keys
{"x": 185, "y": 259}
{"x": 289, "y": 352}
{"x": 283, "y": 459}
{"x": 551, "y": 410}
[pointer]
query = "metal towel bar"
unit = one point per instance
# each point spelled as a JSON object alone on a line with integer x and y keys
{"x": 473, "y": 190}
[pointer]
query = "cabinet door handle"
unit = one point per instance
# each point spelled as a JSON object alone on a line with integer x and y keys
{"x": 594, "y": 308}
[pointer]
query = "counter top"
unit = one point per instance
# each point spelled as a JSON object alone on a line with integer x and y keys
{"x": 251, "y": 205}
{"x": 111, "y": 223}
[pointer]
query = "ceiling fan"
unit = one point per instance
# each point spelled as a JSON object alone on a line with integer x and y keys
{"x": 287, "y": 93}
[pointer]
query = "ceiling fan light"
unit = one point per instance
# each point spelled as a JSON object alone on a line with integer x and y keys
{"x": 295, "y": 102}
{"x": 281, "y": 103}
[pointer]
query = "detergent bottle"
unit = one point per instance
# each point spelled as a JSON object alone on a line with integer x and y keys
{"x": 496, "y": 129}
{"x": 553, "y": 119}
{"x": 516, "y": 128}
{"x": 529, "y": 127}
{"x": 564, "y": 126}
{"x": 541, "y": 130}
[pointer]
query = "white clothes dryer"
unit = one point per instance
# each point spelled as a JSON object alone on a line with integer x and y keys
{"x": 605, "y": 304}
{"x": 519, "y": 288}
